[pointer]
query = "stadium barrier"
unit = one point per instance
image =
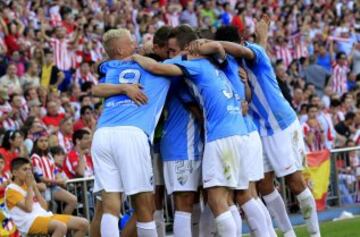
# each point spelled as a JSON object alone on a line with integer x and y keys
{"x": 331, "y": 178}
{"x": 333, "y": 184}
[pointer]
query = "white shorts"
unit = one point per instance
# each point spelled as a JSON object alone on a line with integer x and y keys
{"x": 182, "y": 175}
{"x": 224, "y": 164}
{"x": 254, "y": 158}
{"x": 284, "y": 151}
{"x": 157, "y": 165}
{"x": 122, "y": 161}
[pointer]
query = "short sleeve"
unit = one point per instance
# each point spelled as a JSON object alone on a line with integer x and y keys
{"x": 36, "y": 167}
{"x": 190, "y": 68}
{"x": 12, "y": 198}
{"x": 258, "y": 52}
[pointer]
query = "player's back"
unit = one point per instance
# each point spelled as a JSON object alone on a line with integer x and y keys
{"x": 268, "y": 103}
{"x": 231, "y": 70}
{"x": 215, "y": 94}
{"x": 120, "y": 110}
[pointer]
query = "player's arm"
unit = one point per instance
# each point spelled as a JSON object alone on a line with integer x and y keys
{"x": 245, "y": 79}
{"x": 206, "y": 48}
{"x": 154, "y": 67}
{"x": 237, "y": 50}
{"x": 133, "y": 91}
{"x": 261, "y": 30}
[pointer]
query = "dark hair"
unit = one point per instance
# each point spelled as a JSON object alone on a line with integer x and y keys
{"x": 57, "y": 150}
{"x": 350, "y": 115}
{"x": 335, "y": 103}
{"x": 309, "y": 106}
{"x": 86, "y": 86}
{"x": 205, "y": 34}
{"x": 84, "y": 108}
{"x": 36, "y": 150}
{"x": 81, "y": 98}
{"x": 161, "y": 36}
{"x": 10, "y": 135}
{"x": 98, "y": 105}
{"x": 339, "y": 55}
{"x": 228, "y": 33}
{"x": 79, "y": 134}
{"x": 184, "y": 34}
{"x": 18, "y": 162}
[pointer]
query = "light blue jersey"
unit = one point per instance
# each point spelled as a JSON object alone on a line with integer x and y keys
{"x": 120, "y": 110}
{"x": 215, "y": 94}
{"x": 270, "y": 110}
{"x": 181, "y": 139}
{"x": 231, "y": 70}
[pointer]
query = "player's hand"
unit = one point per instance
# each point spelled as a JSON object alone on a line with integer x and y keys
{"x": 244, "y": 107}
{"x": 243, "y": 75}
{"x": 135, "y": 93}
{"x": 262, "y": 26}
{"x": 195, "y": 46}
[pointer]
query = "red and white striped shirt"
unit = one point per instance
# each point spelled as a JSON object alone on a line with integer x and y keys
{"x": 317, "y": 144}
{"x": 65, "y": 142}
{"x": 62, "y": 53}
{"x": 43, "y": 166}
{"x": 81, "y": 78}
{"x": 284, "y": 52}
{"x": 339, "y": 79}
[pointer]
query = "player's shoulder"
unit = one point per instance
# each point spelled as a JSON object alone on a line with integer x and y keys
{"x": 174, "y": 60}
{"x": 115, "y": 64}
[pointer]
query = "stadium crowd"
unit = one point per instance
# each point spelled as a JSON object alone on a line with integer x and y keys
{"x": 49, "y": 51}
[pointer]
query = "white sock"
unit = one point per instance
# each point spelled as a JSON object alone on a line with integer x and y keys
{"x": 207, "y": 223}
{"x": 182, "y": 224}
{"x": 308, "y": 209}
{"x": 225, "y": 225}
{"x": 270, "y": 227}
{"x": 276, "y": 207}
{"x": 109, "y": 226}
{"x": 237, "y": 218}
{"x": 160, "y": 223}
{"x": 195, "y": 220}
{"x": 255, "y": 218}
{"x": 146, "y": 229}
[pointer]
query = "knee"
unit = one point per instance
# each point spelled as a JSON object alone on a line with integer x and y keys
{"x": 61, "y": 228}
{"x": 184, "y": 201}
{"x": 83, "y": 225}
{"x": 73, "y": 200}
{"x": 265, "y": 186}
{"x": 296, "y": 183}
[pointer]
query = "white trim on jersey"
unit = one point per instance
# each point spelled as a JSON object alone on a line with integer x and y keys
{"x": 190, "y": 136}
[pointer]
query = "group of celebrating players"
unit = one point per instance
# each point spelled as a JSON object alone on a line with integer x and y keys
{"x": 227, "y": 129}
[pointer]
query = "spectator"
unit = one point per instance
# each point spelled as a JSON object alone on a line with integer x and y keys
{"x": 83, "y": 74}
{"x": 44, "y": 171}
{"x": 4, "y": 177}
{"x": 31, "y": 77}
{"x": 86, "y": 120}
{"x": 53, "y": 118}
{"x": 188, "y": 16}
{"x": 344, "y": 128}
{"x": 78, "y": 163}
{"x": 282, "y": 79}
{"x": 12, "y": 146}
{"x": 356, "y": 59}
{"x": 31, "y": 217}
{"x": 340, "y": 72}
{"x": 324, "y": 58}
{"x": 316, "y": 75}
{"x": 51, "y": 76}
{"x": 65, "y": 134}
{"x": 13, "y": 30}
{"x": 11, "y": 81}
{"x": 313, "y": 131}
{"x": 58, "y": 155}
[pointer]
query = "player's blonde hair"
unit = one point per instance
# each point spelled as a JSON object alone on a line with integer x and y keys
{"x": 110, "y": 35}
